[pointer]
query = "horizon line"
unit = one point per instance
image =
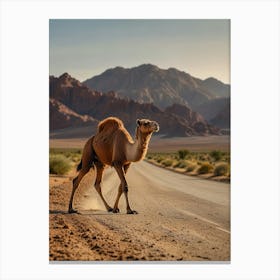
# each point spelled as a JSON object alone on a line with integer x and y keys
{"x": 119, "y": 66}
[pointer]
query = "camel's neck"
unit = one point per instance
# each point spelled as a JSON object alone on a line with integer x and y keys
{"x": 137, "y": 151}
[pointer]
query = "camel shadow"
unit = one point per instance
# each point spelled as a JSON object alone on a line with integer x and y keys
{"x": 58, "y": 212}
{"x": 86, "y": 212}
{"x": 97, "y": 212}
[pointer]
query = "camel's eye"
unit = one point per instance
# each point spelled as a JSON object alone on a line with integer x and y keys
{"x": 146, "y": 123}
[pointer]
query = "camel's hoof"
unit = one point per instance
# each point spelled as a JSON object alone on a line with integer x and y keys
{"x": 71, "y": 211}
{"x": 131, "y": 212}
{"x": 116, "y": 210}
{"x": 110, "y": 209}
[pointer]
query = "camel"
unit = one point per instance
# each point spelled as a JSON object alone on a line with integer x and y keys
{"x": 113, "y": 145}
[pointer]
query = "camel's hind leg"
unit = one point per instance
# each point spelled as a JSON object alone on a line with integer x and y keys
{"x": 120, "y": 191}
{"x": 87, "y": 160}
{"x": 121, "y": 174}
{"x": 99, "y": 172}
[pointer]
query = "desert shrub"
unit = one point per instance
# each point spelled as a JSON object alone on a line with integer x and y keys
{"x": 159, "y": 159}
{"x": 167, "y": 162}
{"x": 183, "y": 153}
{"x": 205, "y": 168}
{"x": 203, "y": 157}
{"x": 216, "y": 155}
{"x": 173, "y": 156}
{"x": 221, "y": 169}
{"x": 191, "y": 167}
{"x": 149, "y": 156}
{"x": 180, "y": 164}
{"x": 227, "y": 158}
{"x": 68, "y": 154}
{"x": 76, "y": 158}
{"x": 71, "y": 154}
{"x": 59, "y": 164}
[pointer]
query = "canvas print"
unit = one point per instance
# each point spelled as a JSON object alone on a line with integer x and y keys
{"x": 139, "y": 140}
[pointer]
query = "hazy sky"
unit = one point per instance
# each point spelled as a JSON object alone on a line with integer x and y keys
{"x": 85, "y": 48}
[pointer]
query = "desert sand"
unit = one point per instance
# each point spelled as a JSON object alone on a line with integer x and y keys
{"x": 181, "y": 218}
{"x": 159, "y": 144}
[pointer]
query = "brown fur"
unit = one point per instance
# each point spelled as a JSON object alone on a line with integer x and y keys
{"x": 113, "y": 145}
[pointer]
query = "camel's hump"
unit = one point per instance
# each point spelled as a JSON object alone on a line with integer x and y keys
{"x": 110, "y": 123}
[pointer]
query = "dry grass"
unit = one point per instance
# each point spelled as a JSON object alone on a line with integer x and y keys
{"x": 213, "y": 163}
{"x": 222, "y": 169}
{"x": 205, "y": 168}
{"x": 62, "y": 160}
{"x": 59, "y": 164}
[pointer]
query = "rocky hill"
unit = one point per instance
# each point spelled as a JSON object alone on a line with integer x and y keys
{"x": 73, "y": 104}
{"x": 62, "y": 116}
{"x": 148, "y": 83}
{"x": 216, "y": 111}
{"x": 222, "y": 118}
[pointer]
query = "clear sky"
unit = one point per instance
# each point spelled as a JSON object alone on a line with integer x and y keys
{"x": 85, "y": 48}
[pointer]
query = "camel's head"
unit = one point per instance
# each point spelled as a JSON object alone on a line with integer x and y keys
{"x": 147, "y": 126}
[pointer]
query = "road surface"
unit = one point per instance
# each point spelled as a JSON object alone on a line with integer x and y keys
{"x": 180, "y": 218}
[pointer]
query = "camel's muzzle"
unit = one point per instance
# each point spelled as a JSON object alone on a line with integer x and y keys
{"x": 156, "y": 127}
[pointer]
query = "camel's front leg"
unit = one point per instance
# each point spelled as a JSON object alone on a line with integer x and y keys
{"x": 124, "y": 186}
{"x": 116, "y": 208}
{"x": 120, "y": 191}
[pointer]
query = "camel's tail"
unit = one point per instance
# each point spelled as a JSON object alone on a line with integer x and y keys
{"x": 89, "y": 156}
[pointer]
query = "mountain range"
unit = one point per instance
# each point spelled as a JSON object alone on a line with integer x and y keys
{"x": 148, "y": 83}
{"x": 74, "y": 105}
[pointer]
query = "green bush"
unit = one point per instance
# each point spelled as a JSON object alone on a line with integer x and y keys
{"x": 221, "y": 169}
{"x": 191, "y": 167}
{"x": 167, "y": 162}
{"x": 203, "y": 157}
{"x": 180, "y": 164}
{"x": 216, "y": 155}
{"x": 159, "y": 159}
{"x": 183, "y": 153}
{"x": 59, "y": 164}
{"x": 205, "y": 168}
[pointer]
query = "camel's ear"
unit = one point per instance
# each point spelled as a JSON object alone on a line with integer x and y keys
{"x": 138, "y": 122}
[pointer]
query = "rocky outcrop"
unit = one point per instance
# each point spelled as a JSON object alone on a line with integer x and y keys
{"x": 62, "y": 117}
{"x": 75, "y": 104}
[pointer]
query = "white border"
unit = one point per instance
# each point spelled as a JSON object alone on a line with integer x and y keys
{"x": 255, "y": 137}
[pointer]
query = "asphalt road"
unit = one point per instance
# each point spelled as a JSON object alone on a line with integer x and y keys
{"x": 180, "y": 217}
